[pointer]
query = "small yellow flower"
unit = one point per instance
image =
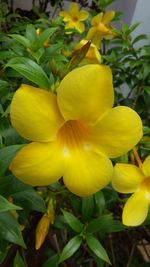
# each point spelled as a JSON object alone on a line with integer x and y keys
{"x": 74, "y": 17}
{"x": 100, "y": 28}
{"x": 92, "y": 56}
{"x": 73, "y": 132}
{"x": 128, "y": 178}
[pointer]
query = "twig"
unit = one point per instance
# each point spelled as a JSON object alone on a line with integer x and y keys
{"x": 130, "y": 256}
{"x": 112, "y": 251}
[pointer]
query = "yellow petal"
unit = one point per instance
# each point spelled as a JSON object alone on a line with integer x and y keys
{"x": 126, "y": 178}
{"x": 86, "y": 93}
{"x": 135, "y": 209}
{"x": 87, "y": 172}
{"x": 35, "y": 114}
{"x": 146, "y": 166}
{"x": 39, "y": 164}
{"x": 108, "y": 16}
{"x": 79, "y": 26}
{"x": 91, "y": 33}
{"x": 97, "y": 19}
{"x": 73, "y": 9}
{"x": 66, "y": 16}
{"x": 118, "y": 132}
{"x": 83, "y": 15}
{"x": 70, "y": 25}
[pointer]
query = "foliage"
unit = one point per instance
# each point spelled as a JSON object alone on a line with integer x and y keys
{"x": 37, "y": 50}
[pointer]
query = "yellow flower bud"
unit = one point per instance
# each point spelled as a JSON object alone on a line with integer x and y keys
{"x": 42, "y": 230}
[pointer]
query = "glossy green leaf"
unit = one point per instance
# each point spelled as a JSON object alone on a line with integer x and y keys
{"x": 6, "y": 155}
{"x": 30, "y": 199}
{"x": 5, "y": 205}
{"x": 30, "y": 70}
{"x": 10, "y": 185}
{"x": 105, "y": 224}
{"x": 52, "y": 261}
{"x": 4, "y": 248}
{"x": 100, "y": 203}
{"x": 71, "y": 247}
{"x": 87, "y": 207}
{"x": 21, "y": 39}
{"x": 97, "y": 248}
{"x": 45, "y": 35}
{"x": 18, "y": 261}
{"x": 73, "y": 222}
{"x": 31, "y": 35}
{"x": 10, "y": 229}
{"x": 147, "y": 89}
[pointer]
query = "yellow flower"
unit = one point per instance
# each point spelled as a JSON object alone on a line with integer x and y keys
{"x": 92, "y": 56}
{"x": 128, "y": 178}
{"x": 74, "y": 17}
{"x": 100, "y": 28}
{"x": 73, "y": 132}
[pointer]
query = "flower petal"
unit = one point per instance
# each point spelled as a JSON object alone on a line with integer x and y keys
{"x": 118, "y": 131}
{"x": 87, "y": 172}
{"x": 97, "y": 19}
{"x": 83, "y": 15}
{"x": 146, "y": 166}
{"x": 39, "y": 164}
{"x": 126, "y": 178}
{"x": 86, "y": 93}
{"x": 74, "y": 9}
{"x": 108, "y": 16}
{"x": 79, "y": 26}
{"x": 35, "y": 114}
{"x": 66, "y": 16}
{"x": 135, "y": 209}
{"x": 91, "y": 33}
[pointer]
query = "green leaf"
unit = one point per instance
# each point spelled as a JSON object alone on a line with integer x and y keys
{"x": 73, "y": 222}
{"x": 30, "y": 200}
{"x": 10, "y": 185}
{"x": 18, "y": 261}
{"x": 52, "y": 261}
{"x": 4, "y": 248}
{"x": 105, "y": 224}
{"x": 21, "y": 39}
{"x": 87, "y": 207}
{"x": 71, "y": 247}
{"x": 31, "y": 35}
{"x": 10, "y": 229}
{"x": 45, "y": 35}
{"x": 5, "y": 205}
{"x": 147, "y": 89}
{"x": 139, "y": 38}
{"x": 30, "y": 70}
{"x": 99, "y": 202}
{"x": 6, "y": 155}
{"x": 97, "y": 248}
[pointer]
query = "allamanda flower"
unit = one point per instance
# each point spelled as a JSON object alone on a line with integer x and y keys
{"x": 100, "y": 28}
{"x": 73, "y": 132}
{"x": 92, "y": 56}
{"x": 129, "y": 178}
{"x": 74, "y": 17}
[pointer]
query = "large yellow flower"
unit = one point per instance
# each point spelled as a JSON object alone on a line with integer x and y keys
{"x": 100, "y": 28}
{"x": 74, "y": 17}
{"x": 73, "y": 132}
{"x": 128, "y": 178}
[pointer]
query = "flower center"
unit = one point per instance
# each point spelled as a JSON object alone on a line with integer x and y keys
{"x": 74, "y": 134}
{"x": 75, "y": 19}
